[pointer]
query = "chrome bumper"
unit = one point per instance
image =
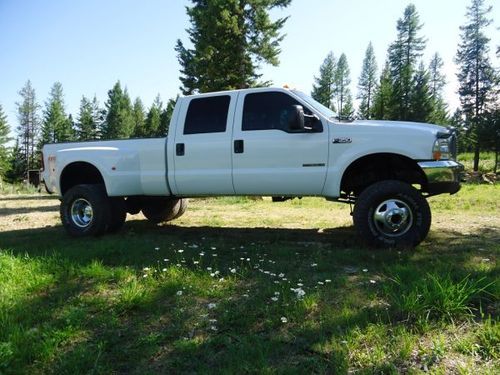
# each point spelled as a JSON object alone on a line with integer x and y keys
{"x": 443, "y": 176}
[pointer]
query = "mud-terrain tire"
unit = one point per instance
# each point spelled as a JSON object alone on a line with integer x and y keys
{"x": 392, "y": 214}
{"x": 162, "y": 210}
{"x": 85, "y": 210}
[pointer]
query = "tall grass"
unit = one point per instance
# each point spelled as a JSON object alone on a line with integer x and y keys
{"x": 437, "y": 297}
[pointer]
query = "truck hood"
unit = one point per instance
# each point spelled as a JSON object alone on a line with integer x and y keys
{"x": 434, "y": 129}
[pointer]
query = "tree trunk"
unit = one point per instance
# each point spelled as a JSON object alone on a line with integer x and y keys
{"x": 476, "y": 157}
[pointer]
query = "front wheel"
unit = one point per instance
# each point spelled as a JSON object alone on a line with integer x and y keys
{"x": 392, "y": 214}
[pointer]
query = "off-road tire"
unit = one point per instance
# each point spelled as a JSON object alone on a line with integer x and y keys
{"x": 162, "y": 210}
{"x": 369, "y": 211}
{"x": 95, "y": 221}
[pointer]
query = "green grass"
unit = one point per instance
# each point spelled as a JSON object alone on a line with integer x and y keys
{"x": 486, "y": 161}
{"x": 244, "y": 286}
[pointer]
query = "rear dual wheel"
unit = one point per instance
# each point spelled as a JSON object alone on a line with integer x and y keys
{"x": 86, "y": 210}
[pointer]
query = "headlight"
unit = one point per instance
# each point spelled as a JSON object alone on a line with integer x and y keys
{"x": 441, "y": 149}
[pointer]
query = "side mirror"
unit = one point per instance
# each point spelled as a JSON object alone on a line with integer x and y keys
{"x": 296, "y": 118}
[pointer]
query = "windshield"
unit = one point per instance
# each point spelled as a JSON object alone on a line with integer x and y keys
{"x": 325, "y": 111}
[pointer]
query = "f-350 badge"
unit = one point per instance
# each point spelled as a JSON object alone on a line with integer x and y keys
{"x": 342, "y": 140}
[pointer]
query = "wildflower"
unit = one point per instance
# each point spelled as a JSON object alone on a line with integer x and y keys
{"x": 145, "y": 269}
{"x": 299, "y": 292}
{"x": 195, "y": 262}
{"x": 180, "y": 251}
{"x": 157, "y": 248}
{"x": 144, "y": 275}
{"x": 284, "y": 320}
{"x": 212, "y": 274}
{"x": 221, "y": 279}
{"x": 233, "y": 270}
{"x": 166, "y": 260}
{"x": 209, "y": 268}
{"x": 321, "y": 283}
{"x": 214, "y": 254}
{"x": 276, "y": 293}
{"x": 248, "y": 259}
{"x": 372, "y": 281}
{"x": 300, "y": 284}
{"x": 212, "y": 305}
{"x": 212, "y": 320}
{"x": 213, "y": 248}
{"x": 284, "y": 279}
{"x": 365, "y": 270}
{"x": 217, "y": 272}
{"x": 164, "y": 270}
{"x": 202, "y": 253}
{"x": 274, "y": 299}
{"x": 314, "y": 264}
{"x": 281, "y": 275}
{"x": 245, "y": 295}
{"x": 328, "y": 281}
{"x": 213, "y": 328}
{"x": 179, "y": 293}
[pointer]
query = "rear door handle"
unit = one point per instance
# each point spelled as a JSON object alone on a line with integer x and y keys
{"x": 179, "y": 149}
{"x": 238, "y": 146}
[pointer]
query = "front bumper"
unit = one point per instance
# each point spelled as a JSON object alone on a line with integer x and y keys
{"x": 443, "y": 176}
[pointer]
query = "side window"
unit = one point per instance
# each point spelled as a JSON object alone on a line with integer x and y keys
{"x": 207, "y": 115}
{"x": 268, "y": 110}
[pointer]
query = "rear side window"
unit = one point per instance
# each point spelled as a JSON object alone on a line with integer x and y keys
{"x": 207, "y": 115}
{"x": 268, "y": 110}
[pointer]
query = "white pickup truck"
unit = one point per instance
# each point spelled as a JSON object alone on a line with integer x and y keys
{"x": 264, "y": 142}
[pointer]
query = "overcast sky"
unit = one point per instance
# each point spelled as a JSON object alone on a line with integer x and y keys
{"x": 88, "y": 45}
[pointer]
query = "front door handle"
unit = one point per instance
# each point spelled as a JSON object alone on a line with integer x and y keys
{"x": 238, "y": 146}
{"x": 179, "y": 149}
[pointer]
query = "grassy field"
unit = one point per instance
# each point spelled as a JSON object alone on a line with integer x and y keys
{"x": 242, "y": 286}
{"x": 486, "y": 161}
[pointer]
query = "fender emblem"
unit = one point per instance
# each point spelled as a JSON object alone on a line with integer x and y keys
{"x": 342, "y": 140}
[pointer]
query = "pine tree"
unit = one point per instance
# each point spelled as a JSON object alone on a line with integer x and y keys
{"x": 421, "y": 105}
{"x": 55, "y": 124}
{"x": 4, "y": 139}
{"x": 404, "y": 53}
{"x": 119, "y": 122}
{"x": 342, "y": 91}
{"x": 166, "y": 116}
{"x": 437, "y": 80}
{"x": 367, "y": 83}
{"x": 139, "y": 118}
{"x": 29, "y": 126}
{"x": 323, "y": 87}
{"x": 17, "y": 164}
{"x": 153, "y": 119}
{"x": 230, "y": 40}
{"x": 383, "y": 95}
{"x": 475, "y": 74}
{"x": 89, "y": 120}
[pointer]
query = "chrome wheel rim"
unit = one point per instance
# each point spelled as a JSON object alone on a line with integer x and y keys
{"x": 81, "y": 213}
{"x": 393, "y": 217}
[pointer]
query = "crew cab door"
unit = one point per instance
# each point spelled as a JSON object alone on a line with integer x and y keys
{"x": 269, "y": 158}
{"x": 202, "y": 146}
